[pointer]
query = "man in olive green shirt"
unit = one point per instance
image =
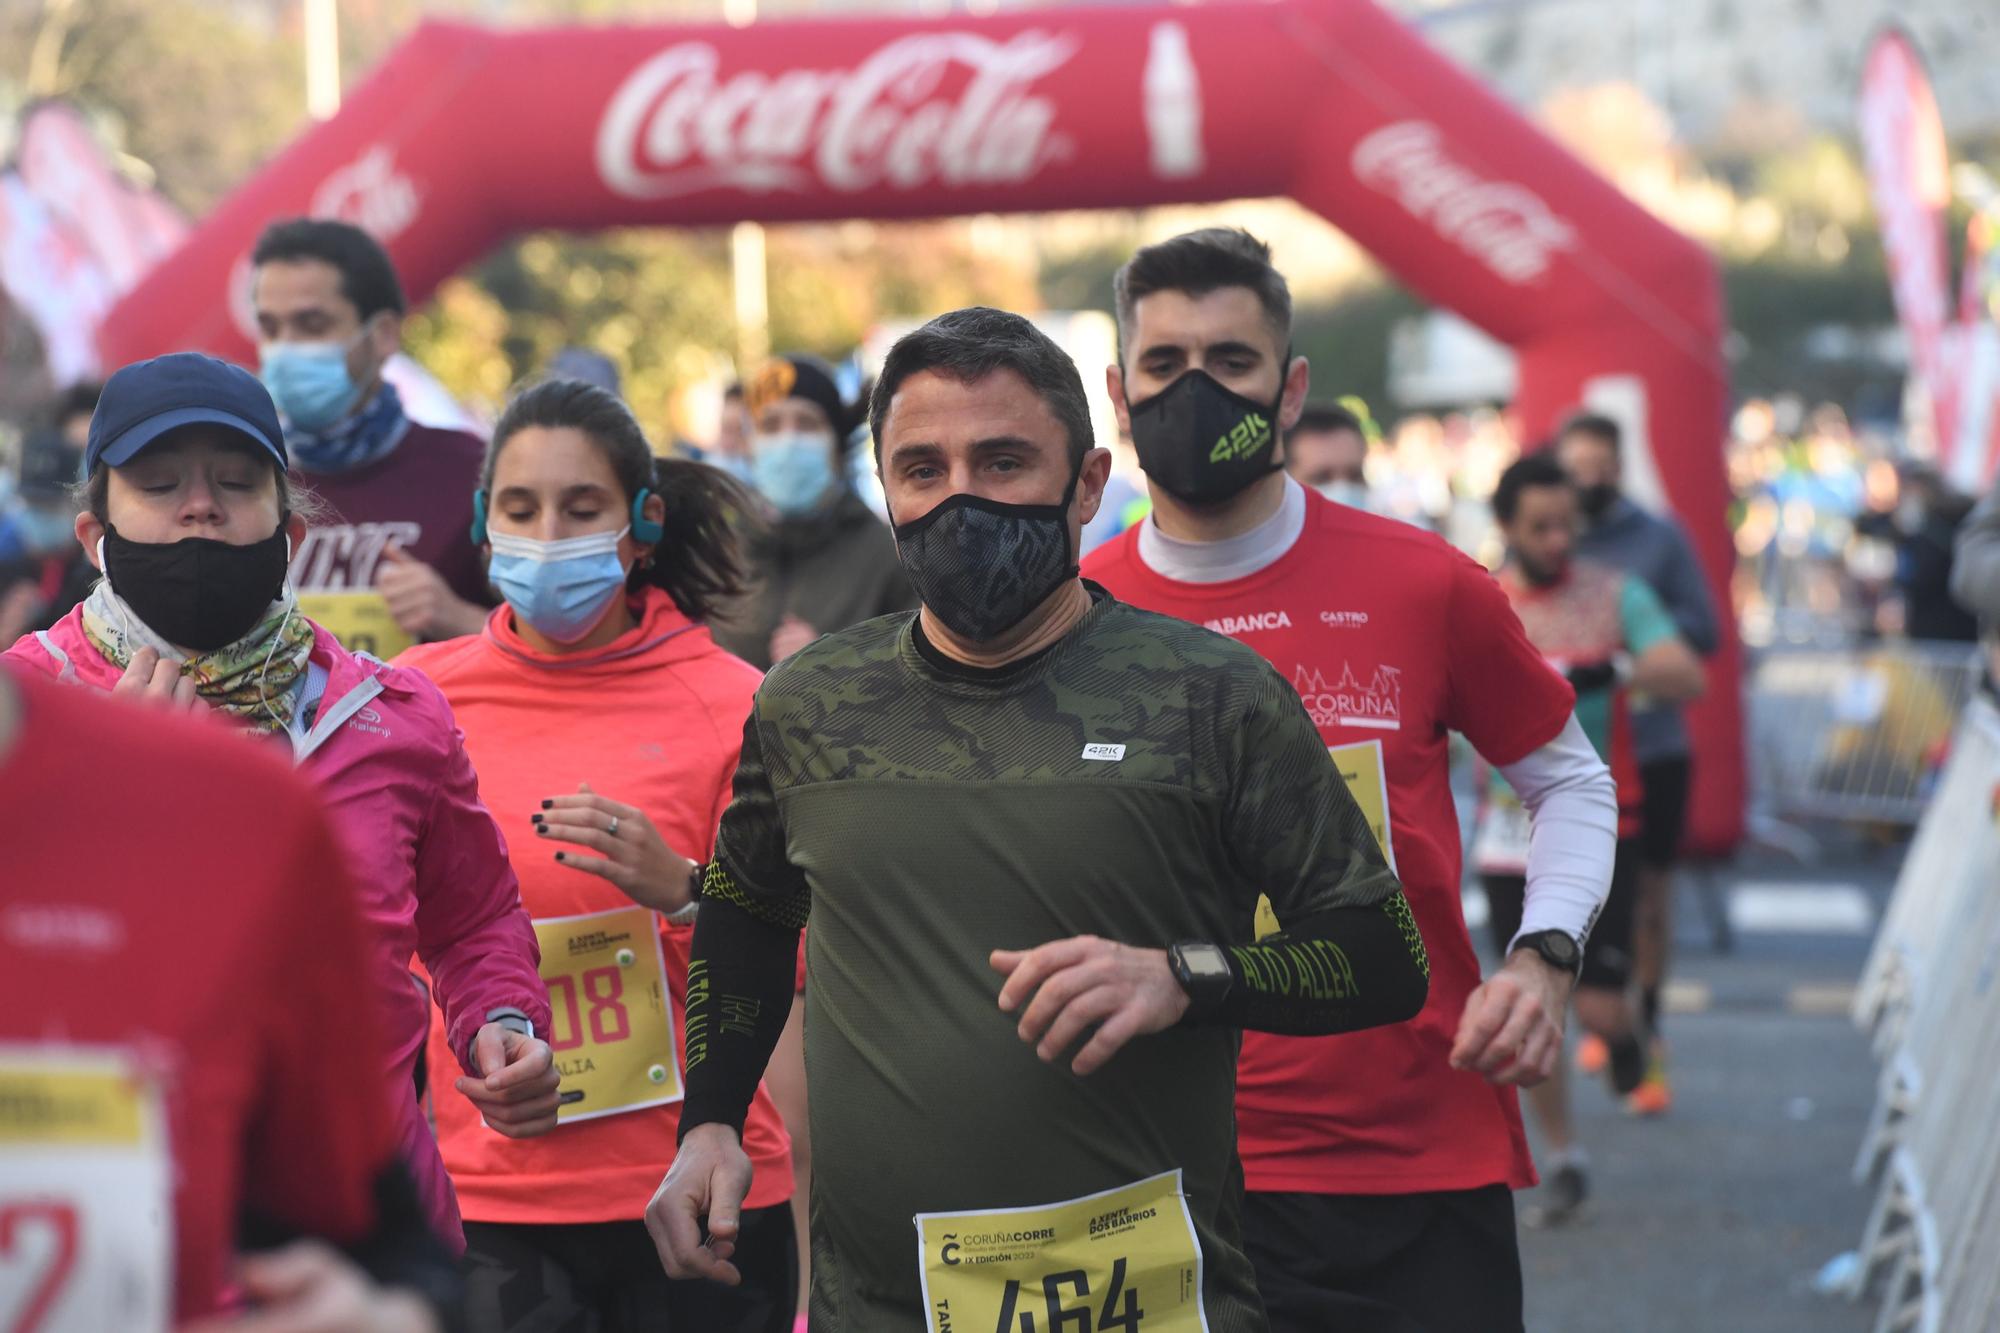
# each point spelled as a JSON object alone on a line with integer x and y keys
{"x": 1031, "y": 826}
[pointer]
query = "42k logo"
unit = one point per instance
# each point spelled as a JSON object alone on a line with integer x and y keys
{"x": 1058, "y": 1289}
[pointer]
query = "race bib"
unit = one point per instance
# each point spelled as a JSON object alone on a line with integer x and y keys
{"x": 1361, "y": 768}
{"x": 611, "y": 1022}
{"x": 359, "y": 618}
{"x": 1500, "y": 847}
{"x": 86, "y": 1194}
{"x": 1121, "y": 1261}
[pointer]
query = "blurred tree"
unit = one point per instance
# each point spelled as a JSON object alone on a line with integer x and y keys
{"x": 201, "y": 93}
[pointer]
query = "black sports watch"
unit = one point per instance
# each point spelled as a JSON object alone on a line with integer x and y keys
{"x": 1202, "y": 970}
{"x": 1557, "y": 948}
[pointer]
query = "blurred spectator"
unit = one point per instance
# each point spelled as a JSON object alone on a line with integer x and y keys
{"x": 1328, "y": 451}
{"x": 592, "y": 367}
{"x": 1927, "y": 522}
{"x": 824, "y": 561}
{"x": 1975, "y": 574}
{"x": 46, "y": 574}
{"x": 731, "y": 449}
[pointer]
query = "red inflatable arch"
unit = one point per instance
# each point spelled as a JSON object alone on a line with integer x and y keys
{"x": 465, "y": 135}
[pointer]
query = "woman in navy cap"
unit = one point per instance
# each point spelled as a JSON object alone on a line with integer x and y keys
{"x": 193, "y": 520}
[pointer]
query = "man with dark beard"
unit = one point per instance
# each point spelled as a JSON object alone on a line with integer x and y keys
{"x": 1608, "y": 633}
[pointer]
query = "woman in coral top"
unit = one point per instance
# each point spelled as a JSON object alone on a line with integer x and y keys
{"x": 604, "y": 724}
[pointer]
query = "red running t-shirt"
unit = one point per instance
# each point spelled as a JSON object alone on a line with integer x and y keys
{"x": 1393, "y": 639}
{"x": 183, "y": 1038}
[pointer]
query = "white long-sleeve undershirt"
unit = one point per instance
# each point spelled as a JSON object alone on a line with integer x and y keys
{"x": 1571, "y": 800}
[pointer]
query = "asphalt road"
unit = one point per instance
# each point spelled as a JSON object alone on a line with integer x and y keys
{"x": 1717, "y": 1216}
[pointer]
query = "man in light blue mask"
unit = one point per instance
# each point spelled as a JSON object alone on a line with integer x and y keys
{"x": 1327, "y": 451}
{"x": 824, "y": 560}
{"x": 394, "y": 565}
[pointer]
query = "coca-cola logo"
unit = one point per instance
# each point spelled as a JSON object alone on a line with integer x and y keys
{"x": 370, "y": 193}
{"x": 1505, "y": 226}
{"x": 678, "y": 125}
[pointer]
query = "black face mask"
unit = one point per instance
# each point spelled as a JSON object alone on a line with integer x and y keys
{"x": 1203, "y": 443}
{"x": 982, "y": 565}
{"x": 197, "y": 592}
{"x": 1596, "y": 501}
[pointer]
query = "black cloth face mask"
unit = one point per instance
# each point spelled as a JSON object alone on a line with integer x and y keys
{"x": 982, "y": 565}
{"x": 197, "y": 592}
{"x": 1205, "y": 444}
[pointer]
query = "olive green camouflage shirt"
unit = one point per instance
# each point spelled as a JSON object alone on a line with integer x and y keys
{"x": 1143, "y": 781}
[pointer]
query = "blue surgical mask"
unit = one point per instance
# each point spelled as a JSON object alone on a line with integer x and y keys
{"x": 1354, "y": 494}
{"x": 794, "y": 472}
{"x": 309, "y": 382}
{"x": 45, "y": 531}
{"x": 561, "y": 588}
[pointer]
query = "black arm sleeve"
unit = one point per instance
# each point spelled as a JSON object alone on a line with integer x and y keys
{"x": 1338, "y": 971}
{"x": 741, "y": 969}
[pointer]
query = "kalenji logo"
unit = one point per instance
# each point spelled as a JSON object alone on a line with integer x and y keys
{"x": 1250, "y": 624}
{"x": 1505, "y": 226}
{"x": 370, "y": 193}
{"x": 676, "y": 125}
{"x": 1378, "y": 705}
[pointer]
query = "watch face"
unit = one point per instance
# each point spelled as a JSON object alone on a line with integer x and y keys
{"x": 1205, "y": 962}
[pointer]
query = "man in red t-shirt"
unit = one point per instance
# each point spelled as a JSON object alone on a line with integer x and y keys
{"x": 187, "y": 1065}
{"x": 1379, "y": 1164}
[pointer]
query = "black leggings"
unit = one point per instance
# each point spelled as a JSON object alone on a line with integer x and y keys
{"x": 605, "y": 1277}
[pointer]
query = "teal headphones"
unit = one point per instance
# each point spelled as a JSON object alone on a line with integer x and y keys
{"x": 644, "y": 530}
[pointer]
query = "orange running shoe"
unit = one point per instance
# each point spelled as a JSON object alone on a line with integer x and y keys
{"x": 1592, "y": 1055}
{"x": 1653, "y": 1097}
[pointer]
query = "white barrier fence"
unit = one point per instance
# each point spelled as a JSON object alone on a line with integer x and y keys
{"x": 1930, "y": 998}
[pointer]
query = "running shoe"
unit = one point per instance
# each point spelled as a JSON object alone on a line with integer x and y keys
{"x": 1561, "y": 1198}
{"x": 1653, "y": 1096}
{"x": 1625, "y": 1066}
{"x": 1592, "y": 1055}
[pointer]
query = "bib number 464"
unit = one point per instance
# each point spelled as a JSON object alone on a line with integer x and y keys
{"x": 1119, "y": 1312}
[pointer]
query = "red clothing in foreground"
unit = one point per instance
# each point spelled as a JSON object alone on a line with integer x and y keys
{"x": 653, "y": 720}
{"x": 174, "y": 912}
{"x": 1393, "y": 639}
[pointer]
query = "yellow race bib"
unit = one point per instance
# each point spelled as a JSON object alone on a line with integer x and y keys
{"x": 1361, "y": 768}
{"x": 611, "y": 1022}
{"x": 359, "y": 618}
{"x": 86, "y": 1194}
{"x": 1121, "y": 1261}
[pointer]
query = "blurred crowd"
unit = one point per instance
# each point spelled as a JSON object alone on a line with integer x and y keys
{"x": 1839, "y": 537}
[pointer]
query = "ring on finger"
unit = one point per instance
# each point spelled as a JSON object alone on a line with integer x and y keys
{"x": 612, "y": 828}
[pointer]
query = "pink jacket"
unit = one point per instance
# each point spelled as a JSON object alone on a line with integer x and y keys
{"x": 436, "y": 882}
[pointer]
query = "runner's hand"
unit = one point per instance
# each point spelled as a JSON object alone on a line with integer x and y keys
{"x": 710, "y": 1178}
{"x": 1512, "y": 1029}
{"x": 517, "y": 1091}
{"x": 419, "y": 599}
{"x": 309, "y": 1287}
{"x": 152, "y": 679}
{"x": 1125, "y": 992}
{"x": 638, "y": 860}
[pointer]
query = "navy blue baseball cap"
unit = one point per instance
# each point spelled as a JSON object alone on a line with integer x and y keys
{"x": 146, "y": 399}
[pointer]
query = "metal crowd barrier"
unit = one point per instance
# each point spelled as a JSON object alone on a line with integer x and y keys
{"x": 1858, "y": 732}
{"x": 1930, "y": 997}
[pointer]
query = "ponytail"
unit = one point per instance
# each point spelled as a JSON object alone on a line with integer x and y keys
{"x": 698, "y": 560}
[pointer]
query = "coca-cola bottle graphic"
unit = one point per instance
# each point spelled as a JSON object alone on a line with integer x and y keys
{"x": 1173, "y": 103}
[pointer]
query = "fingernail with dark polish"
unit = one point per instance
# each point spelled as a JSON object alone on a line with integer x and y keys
{"x": 548, "y": 805}
{"x": 542, "y": 830}
{"x": 559, "y": 856}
